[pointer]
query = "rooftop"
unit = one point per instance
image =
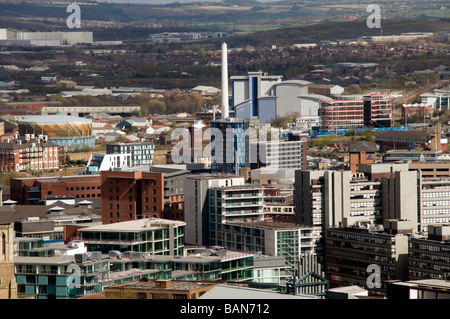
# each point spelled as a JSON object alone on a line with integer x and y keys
{"x": 136, "y": 225}
{"x": 264, "y": 224}
{"x": 363, "y": 146}
{"x": 175, "y": 285}
{"x": 225, "y": 291}
{"x": 212, "y": 176}
{"x": 407, "y": 135}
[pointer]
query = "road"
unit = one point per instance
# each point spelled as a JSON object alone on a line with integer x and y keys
{"x": 411, "y": 96}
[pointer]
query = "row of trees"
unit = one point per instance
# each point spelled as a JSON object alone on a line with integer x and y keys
{"x": 176, "y": 102}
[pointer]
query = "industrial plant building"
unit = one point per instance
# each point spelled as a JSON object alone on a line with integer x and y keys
{"x": 263, "y": 97}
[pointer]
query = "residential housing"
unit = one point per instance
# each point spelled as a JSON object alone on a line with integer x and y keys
{"x": 29, "y": 153}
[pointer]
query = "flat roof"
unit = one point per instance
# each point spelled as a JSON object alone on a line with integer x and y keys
{"x": 135, "y": 225}
{"x": 270, "y": 225}
{"x": 55, "y": 260}
{"x": 175, "y": 285}
{"x": 429, "y": 283}
{"x": 212, "y": 176}
{"x": 406, "y": 135}
{"x": 221, "y": 291}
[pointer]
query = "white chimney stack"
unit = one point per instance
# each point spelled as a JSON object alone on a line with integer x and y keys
{"x": 225, "y": 111}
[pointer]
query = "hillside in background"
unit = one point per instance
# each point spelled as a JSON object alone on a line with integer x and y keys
{"x": 136, "y": 21}
{"x": 334, "y": 31}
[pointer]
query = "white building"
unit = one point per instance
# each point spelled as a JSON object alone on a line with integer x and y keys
{"x": 280, "y": 154}
{"x": 46, "y": 38}
{"x": 259, "y": 96}
{"x": 107, "y": 162}
{"x": 439, "y": 99}
{"x": 196, "y": 204}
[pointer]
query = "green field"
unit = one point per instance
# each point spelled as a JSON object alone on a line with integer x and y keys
{"x": 437, "y": 13}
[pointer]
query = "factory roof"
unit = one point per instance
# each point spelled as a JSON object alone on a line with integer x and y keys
{"x": 406, "y": 135}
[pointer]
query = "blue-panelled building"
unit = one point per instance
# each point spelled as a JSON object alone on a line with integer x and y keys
{"x": 230, "y": 145}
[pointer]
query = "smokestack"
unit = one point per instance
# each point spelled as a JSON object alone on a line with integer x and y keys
{"x": 225, "y": 111}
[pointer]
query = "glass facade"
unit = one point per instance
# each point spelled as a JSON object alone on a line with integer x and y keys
{"x": 230, "y": 151}
{"x": 152, "y": 241}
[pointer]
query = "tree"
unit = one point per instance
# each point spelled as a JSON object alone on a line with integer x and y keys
{"x": 154, "y": 106}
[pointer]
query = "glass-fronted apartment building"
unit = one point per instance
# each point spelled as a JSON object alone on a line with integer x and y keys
{"x": 74, "y": 276}
{"x": 154, "y": 236}
{"x": 271, "y": 238}
{"x": 234, "y": 203}
{"x": 230, "y": 146}
{"x": 47, "y": 277}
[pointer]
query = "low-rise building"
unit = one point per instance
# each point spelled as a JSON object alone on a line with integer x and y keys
{"x": 141, "y": 153}
{"x": 29, "y": 153}
{"x": 153, "y": 235}
{"x": 158, "y": 289}
{"x": 35, "y": 190}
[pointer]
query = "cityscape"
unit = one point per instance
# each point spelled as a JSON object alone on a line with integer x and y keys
{"x": 306, "y": 158}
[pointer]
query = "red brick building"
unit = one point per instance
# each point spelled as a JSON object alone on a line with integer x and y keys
{"x": 29, "y": 153}
{"x": 129, "y": 195}
{"x": 362, "y": 153}
{"x": 34, "y": 190}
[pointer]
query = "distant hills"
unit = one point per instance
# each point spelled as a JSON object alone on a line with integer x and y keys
{"x": 336, "y": 30}
{"x": 281, "y": 23}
